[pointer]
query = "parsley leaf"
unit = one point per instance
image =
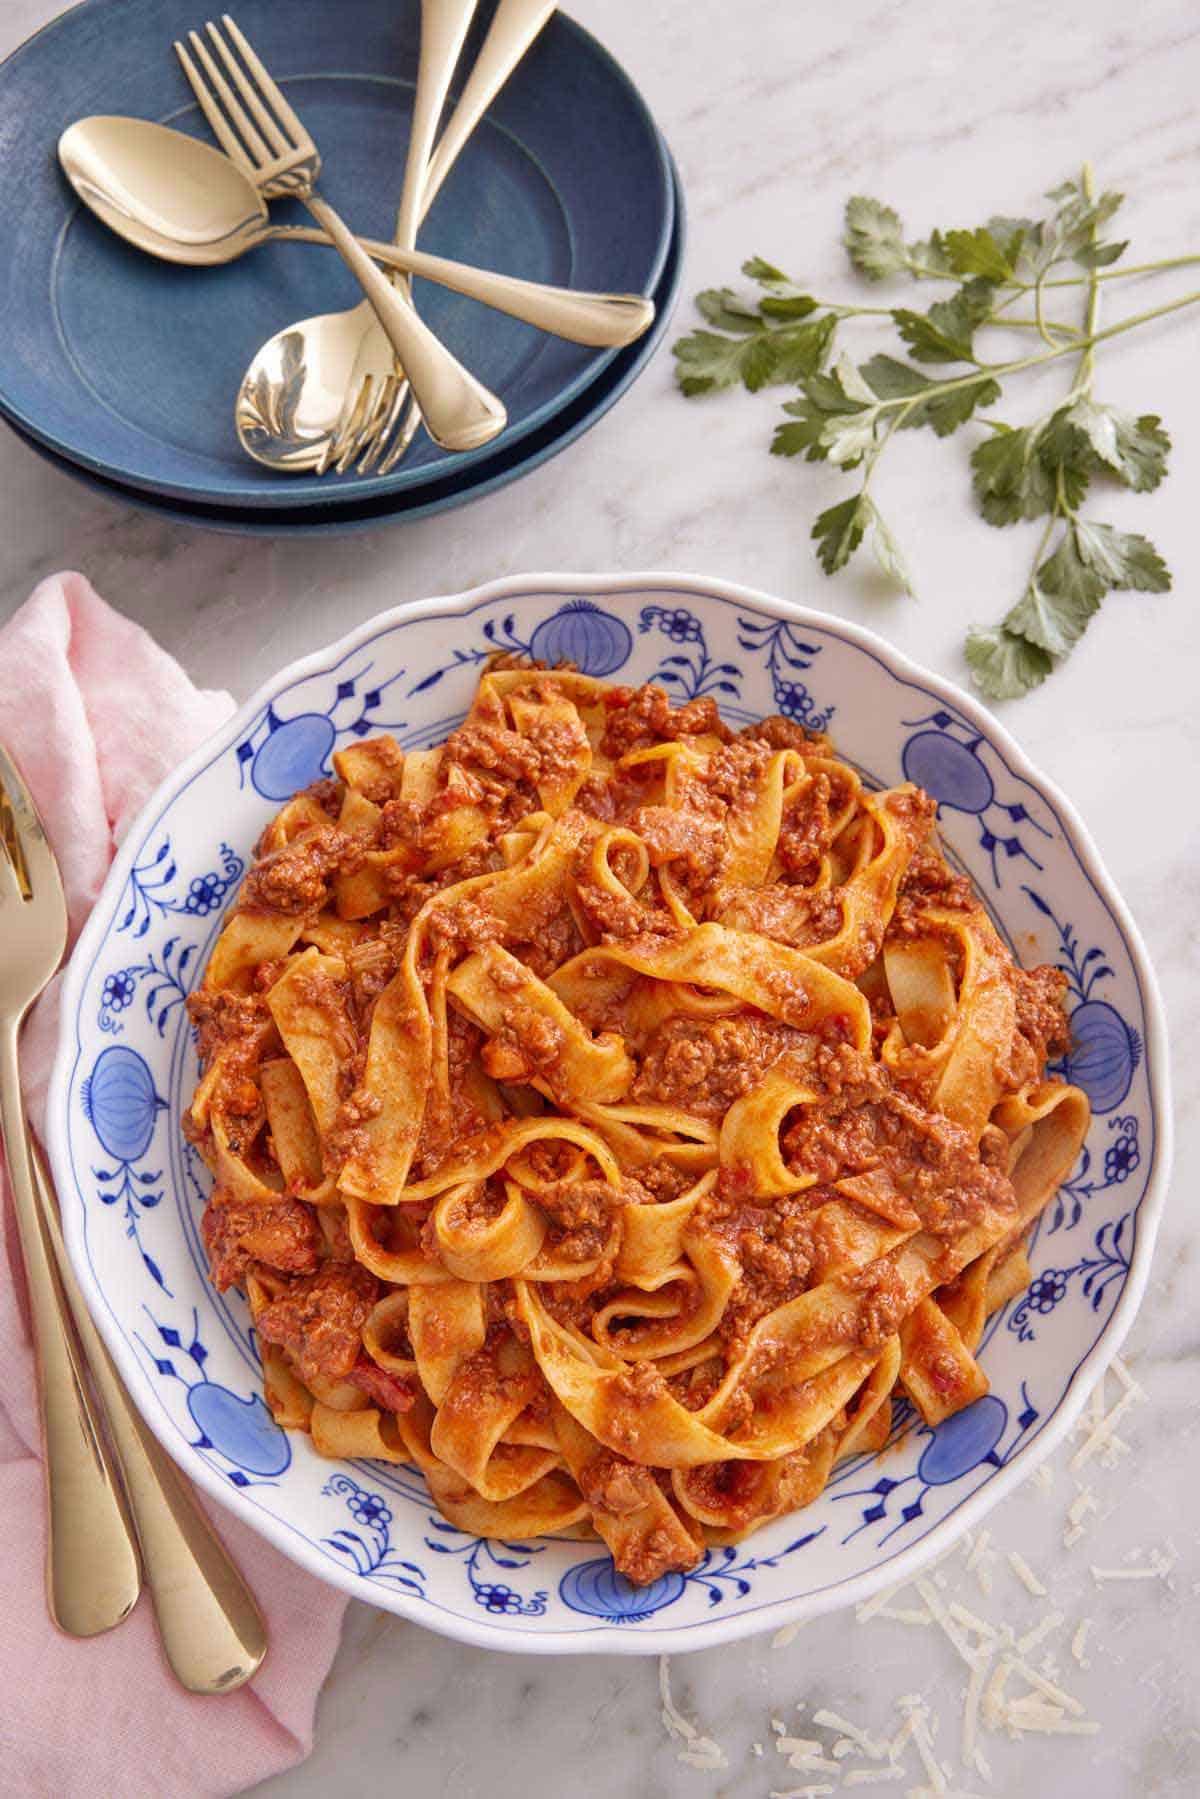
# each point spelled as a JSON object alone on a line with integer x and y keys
{"x": 874, "y": 238}
{"x": 893, "y": 380}
{"x": 1063, "y": 595}
{"x": 946, "y": 332}
{"x": 846, "y": 411}
{"x": 984, "y": 252}
{"x": 838, "y": 531}
{"x": 1124, "y": 560}
{"x": 888, "y": 553}
{"x": 835, "y": 419}
{"x": 1005, "y": 664}
{"x": 1133, "y": 449}
{"x": 748, "y": 350}
{"x": 784, "y": 300}
{"x": 1011, "y": 479}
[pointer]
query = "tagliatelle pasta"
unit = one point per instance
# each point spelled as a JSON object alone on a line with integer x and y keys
{"x": 611, "y": 1115}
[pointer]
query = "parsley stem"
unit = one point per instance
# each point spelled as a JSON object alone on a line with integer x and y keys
{"x": 999, "y": 369}
{"x": 1087, "y": 362}
{"x": 1027, "y": 287}
{"x": 892, "y": 425}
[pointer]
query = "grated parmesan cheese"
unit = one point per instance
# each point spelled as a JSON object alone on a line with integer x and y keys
{"x": 1026, "y": 1575}
{"x": 858, "y": 1739}
{"x": 1040, "y": 1631}
{"x": 1078, "y": 1641}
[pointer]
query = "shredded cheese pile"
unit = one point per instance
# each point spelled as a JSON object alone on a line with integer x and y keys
{"x": 1014, "y": 1684}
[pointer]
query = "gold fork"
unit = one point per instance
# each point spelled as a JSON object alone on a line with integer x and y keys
{"x": 92, "y": 1571}
{"x": 261, "y": 132}
{"x": 381, "y": 419}
{"x": 211, "y": 1629}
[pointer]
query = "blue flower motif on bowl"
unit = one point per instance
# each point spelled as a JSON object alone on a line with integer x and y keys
{"x": 133, "y": 1191}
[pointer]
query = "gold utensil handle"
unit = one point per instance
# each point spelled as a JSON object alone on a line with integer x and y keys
{"x": 444, "y": 25}
{"x": 460, "y": 413}
{"x": 514, "y": 26}
{"x": 92, "y": 1573}
{"x": 212, "y": 1630}
{"x": 600, "y": 320}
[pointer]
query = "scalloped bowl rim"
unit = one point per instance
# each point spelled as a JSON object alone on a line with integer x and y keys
{"x": 896, "y": 1568}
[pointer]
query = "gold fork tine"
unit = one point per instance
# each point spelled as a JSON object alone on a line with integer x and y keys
{"x": 30, "y": 854}
{"x": 249, "y": 93}
{"x": 260, "y": 151}
{"x": 403, "y": 438}
{"x": 12, "y": 857}
{"x": 362, "y": 430}
{"x": 381, "y": 438}
{"x": 221, "y": 129}
{"x": 273, "y": 93}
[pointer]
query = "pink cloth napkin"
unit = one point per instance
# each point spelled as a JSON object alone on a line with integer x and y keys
{"x": 95, "y": 714}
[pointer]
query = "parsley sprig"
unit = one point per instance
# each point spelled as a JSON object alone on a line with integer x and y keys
{"x": 849, "y": 412}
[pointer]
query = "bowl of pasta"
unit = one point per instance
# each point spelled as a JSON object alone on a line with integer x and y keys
{"x": 610, "y": 1114}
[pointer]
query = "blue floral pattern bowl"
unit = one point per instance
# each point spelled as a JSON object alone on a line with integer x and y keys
{"x": 132, "y": 1190}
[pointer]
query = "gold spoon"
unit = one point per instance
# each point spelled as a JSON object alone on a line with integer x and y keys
{"x": 179, "y": 199}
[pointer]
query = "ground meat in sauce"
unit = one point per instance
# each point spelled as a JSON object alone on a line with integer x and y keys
{"x": 703, "y": 1065}
{"x": 612, "y": 1484}
{"x": 283, "y": 1236}
{"x": 1041, "y": 1010}
{"x": 319, "y": 1319}
{"x": 639, "y": 717}
{"x": 297, "y": 877}
{"x": 388, "y": 1391}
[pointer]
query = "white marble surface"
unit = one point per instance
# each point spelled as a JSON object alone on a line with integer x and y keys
{"x": 776, "y": 112}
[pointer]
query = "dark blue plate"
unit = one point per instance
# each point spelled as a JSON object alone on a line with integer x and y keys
{"x": 497, "y": 471}
{"x": 129, "y": 366}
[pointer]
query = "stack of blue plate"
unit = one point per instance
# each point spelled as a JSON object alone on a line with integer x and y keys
{"x": 122, "y": 370}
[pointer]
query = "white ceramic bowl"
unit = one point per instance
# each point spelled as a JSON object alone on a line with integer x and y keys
{"x": 132, "y": 1192}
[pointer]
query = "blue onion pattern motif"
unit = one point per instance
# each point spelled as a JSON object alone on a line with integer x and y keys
{"x": 596, "y": 1588}
{"x": 283, "y": 755}
{"x": 232, "y": 1430}
{"x": 947, "y": 761}
{"x": 165, "y": 979}
{"x": 595, "y": 641}
{"x": 241, "y": 1430}
{"x": 122, "y": 1103}
{"x": 479, "y": 1556}
{"x": 1122, "y": 1156}
{"x": 117, "y": 992}
{"x": 151, "y": 885}
{"x": 956, "y": 1448}
{"x": 293, "y": 756}
{"x": 949, "y": 770}
{"x": 368, "y": 1549}
{"x": 961, "y": 1442}
{"x": 1103, "y": 1056}
{"x": 1105, "y": 1052}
